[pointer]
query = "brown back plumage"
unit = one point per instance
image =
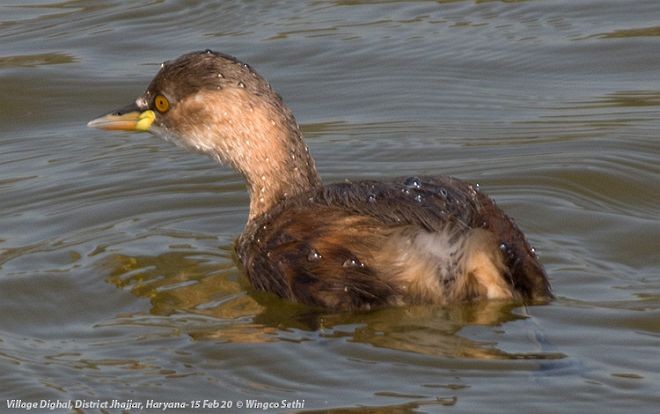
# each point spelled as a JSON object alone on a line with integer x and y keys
{"x": 344, "y": 246}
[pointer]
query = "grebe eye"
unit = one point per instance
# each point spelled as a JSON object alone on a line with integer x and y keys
{"x": 161, "y": 103}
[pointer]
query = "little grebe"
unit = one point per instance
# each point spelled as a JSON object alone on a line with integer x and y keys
{"x": 347, "y": 246}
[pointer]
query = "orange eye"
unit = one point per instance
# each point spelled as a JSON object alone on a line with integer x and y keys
{"x": 161, "y": 103}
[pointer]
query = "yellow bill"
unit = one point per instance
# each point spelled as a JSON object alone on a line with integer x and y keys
{"x": 126, "y": 119}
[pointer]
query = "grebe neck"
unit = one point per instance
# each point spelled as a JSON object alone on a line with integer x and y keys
{"x": 256, "y": 134}
{"x": 279, "y": 164}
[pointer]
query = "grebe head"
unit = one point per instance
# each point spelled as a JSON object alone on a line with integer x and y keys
{"x": 212, "y": 103}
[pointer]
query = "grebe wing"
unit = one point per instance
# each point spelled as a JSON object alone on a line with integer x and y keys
{"x": 372, "y": 243}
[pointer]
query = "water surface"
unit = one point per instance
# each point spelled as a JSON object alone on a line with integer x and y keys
{"x": 117, "y": 275}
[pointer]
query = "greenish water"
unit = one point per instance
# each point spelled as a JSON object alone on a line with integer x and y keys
{"x": 117, "y": 278}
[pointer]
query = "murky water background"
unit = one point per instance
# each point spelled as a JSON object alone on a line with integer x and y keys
{"x": 117, "y": 279}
